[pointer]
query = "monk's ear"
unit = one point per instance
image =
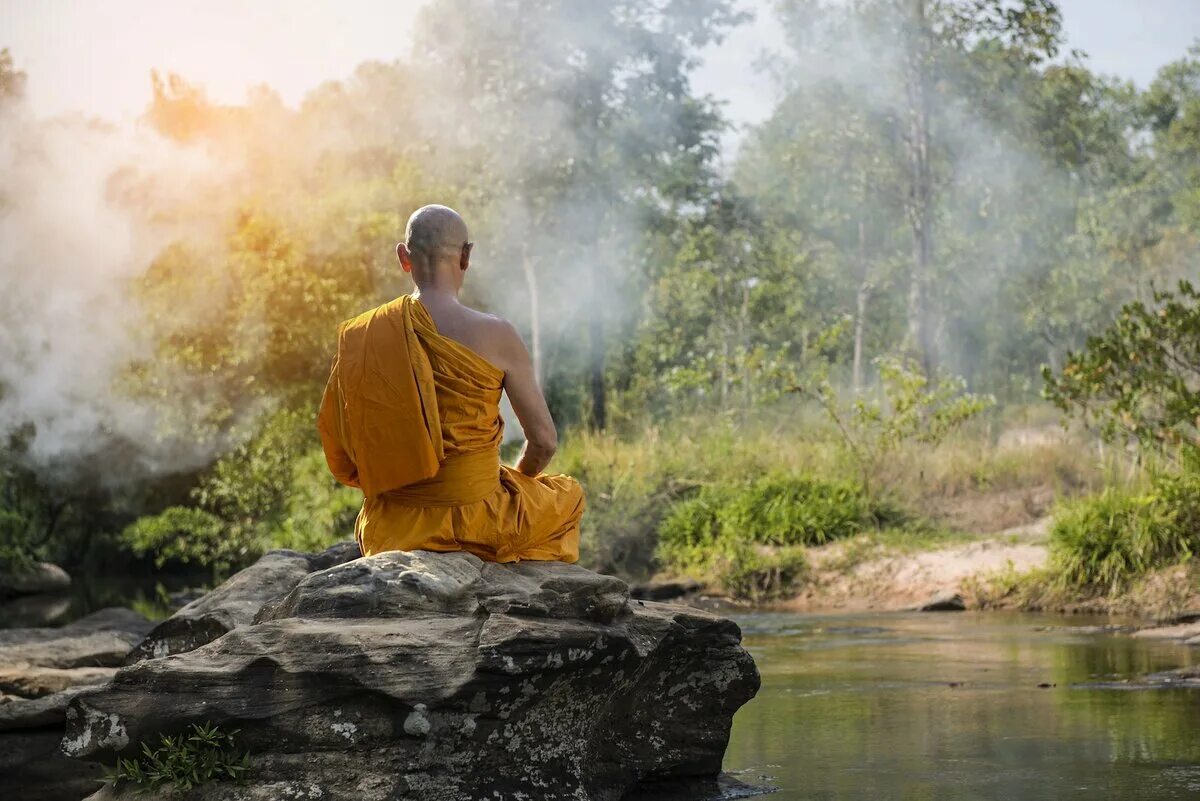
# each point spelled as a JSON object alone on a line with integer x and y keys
{"x": 464, "y": 261}
{"x": 405, "y": 257}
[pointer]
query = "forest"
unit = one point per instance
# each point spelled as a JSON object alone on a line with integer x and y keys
{"x": 942, "y": 291}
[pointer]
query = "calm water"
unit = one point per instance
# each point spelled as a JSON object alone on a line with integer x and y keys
{"x": 861, "y": 707}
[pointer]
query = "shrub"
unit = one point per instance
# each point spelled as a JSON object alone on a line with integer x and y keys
{"x": 273, "y": 491}
{"x": 749, "y": 538}
{"x": 184, "y": 534}
{"x": 1108, "y": 540}
{"x": 774, "y": 510}
{"x": 202, "y": 754}
{"x": 761, "y": 574}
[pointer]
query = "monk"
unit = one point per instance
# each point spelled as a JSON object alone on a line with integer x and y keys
{"x": 411, "y": 416}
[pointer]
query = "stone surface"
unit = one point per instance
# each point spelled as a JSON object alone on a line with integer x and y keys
{"x": 438, "y": 676}
{"x": 665, "y": 590}
{"x": 35, "y": 713}
{"x": 32, "y": 768}
{"x": 35, "y": 682}
{"x": 101, "y": 639}
{"x": 40, "y": 577}
{"x": 237, "y": 601}
{"x": 35, "y": 610}
{"x": 1185, "y": 632}
{"x": 41, "y": 670}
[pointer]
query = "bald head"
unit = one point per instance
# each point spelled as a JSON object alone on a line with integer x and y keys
{"x": 435, "y": 248}
{"x": 434, "y": 230}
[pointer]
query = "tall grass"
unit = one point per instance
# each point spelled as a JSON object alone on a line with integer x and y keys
{"x": 749, "y": 537}
{"x": 1106, "y": 541}
{"x": 633, "y": 478}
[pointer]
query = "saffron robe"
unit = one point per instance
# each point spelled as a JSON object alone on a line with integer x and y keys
{"x": 412, "y": 418}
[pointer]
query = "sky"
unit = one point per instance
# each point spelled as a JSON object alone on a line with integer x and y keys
{"x": 95, "y": 56}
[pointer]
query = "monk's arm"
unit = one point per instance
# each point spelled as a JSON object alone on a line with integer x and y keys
{"x": 520, "y": 382}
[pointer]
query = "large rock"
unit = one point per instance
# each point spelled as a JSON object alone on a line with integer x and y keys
{"x": 438, "y": 676}
{"x": 237, "y": 601}
{"x": 37, "y": 578}
{"x": 1187, "y": 632}
{"x": 101, "y": 639}
{"x": 35, "y": 610}
{"x": 33, "y": 768}
{"x": 41, "y": 670}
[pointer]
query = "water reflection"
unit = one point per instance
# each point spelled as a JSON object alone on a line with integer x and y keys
{"x": 948, "y": 706}
{"x": 155, "y": 597}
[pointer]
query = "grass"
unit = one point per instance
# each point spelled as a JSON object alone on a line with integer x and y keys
{"x": 637, "y": 477}
{"x": 1108, "y": 540}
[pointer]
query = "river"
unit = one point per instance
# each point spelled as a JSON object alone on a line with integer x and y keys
{"x": 970, "y": 706}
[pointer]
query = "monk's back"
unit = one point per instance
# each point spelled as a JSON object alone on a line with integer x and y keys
{"x": 471, "y": 328}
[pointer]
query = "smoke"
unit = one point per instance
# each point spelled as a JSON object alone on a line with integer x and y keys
{"x": 76, "y": 227}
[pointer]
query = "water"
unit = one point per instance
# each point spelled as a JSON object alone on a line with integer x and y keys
{"x": 156, "y": 597}
{"x": 916, "y": 707}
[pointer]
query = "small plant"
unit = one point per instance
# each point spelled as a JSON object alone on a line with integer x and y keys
{"x": 204, "y": 753}
{"x": 763, "y": 574}
{"x": 910, "y": 408}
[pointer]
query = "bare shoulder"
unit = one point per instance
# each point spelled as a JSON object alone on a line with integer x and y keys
{"x": 496, "y": 338}
{"x": 485, "y": 324}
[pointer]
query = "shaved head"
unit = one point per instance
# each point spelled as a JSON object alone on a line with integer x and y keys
{"x": 434, "y": 232}
{"x": 435, "y": 247}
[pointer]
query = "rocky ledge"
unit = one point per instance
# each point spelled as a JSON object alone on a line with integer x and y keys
{"x": 41, "y": 670}
{"x": 434, "y": 676}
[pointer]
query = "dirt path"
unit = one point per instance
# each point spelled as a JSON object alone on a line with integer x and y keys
{"x": 884, "y": 578}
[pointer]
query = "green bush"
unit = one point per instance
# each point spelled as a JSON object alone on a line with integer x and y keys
{"x": 1106, "y": 541}
{"x": 15, "y": 550}
{"x": 184, "y": 534}
{"x": 773, "y": 510}
{"x": 203, "y": 754}
{"x": 273, "y": 491}
{"x": 750, "y": 537}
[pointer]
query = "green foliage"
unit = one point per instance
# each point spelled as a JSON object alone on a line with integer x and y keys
{"x": 15, "y": 550}
{"x": 761, "y": 574}
{"x": 750, "y": 537}
{"x": 1141, "y": 377}
{"x": 774, "y": 510}
{"x": 187, "y": 535}
{"x": 273, "y": 491}
{"x": 202, "y": 754}
{"x": 1105, "y": 541}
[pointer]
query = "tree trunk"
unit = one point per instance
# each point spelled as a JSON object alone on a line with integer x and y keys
{"x": 535, "y": 314}
{"x": 596, "y": 355}
{"x": 860, "y": 307}
{"x": 744, "y": 342}
{"x": 919, "y": 200}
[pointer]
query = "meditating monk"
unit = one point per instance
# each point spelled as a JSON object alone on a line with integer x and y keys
{"x": 411, "y": 416}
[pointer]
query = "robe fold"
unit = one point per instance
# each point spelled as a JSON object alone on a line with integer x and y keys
{"x": 412, "y": 418}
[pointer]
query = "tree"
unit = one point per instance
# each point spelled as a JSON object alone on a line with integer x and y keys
{"x": 12, "y": 80}
{"x": 584, "y": 120}
{"x": 1140, "y": 379}
{"x": 907, "y": 61}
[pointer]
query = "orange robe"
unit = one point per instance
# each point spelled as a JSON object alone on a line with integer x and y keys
{"x": 412, "y": 418}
